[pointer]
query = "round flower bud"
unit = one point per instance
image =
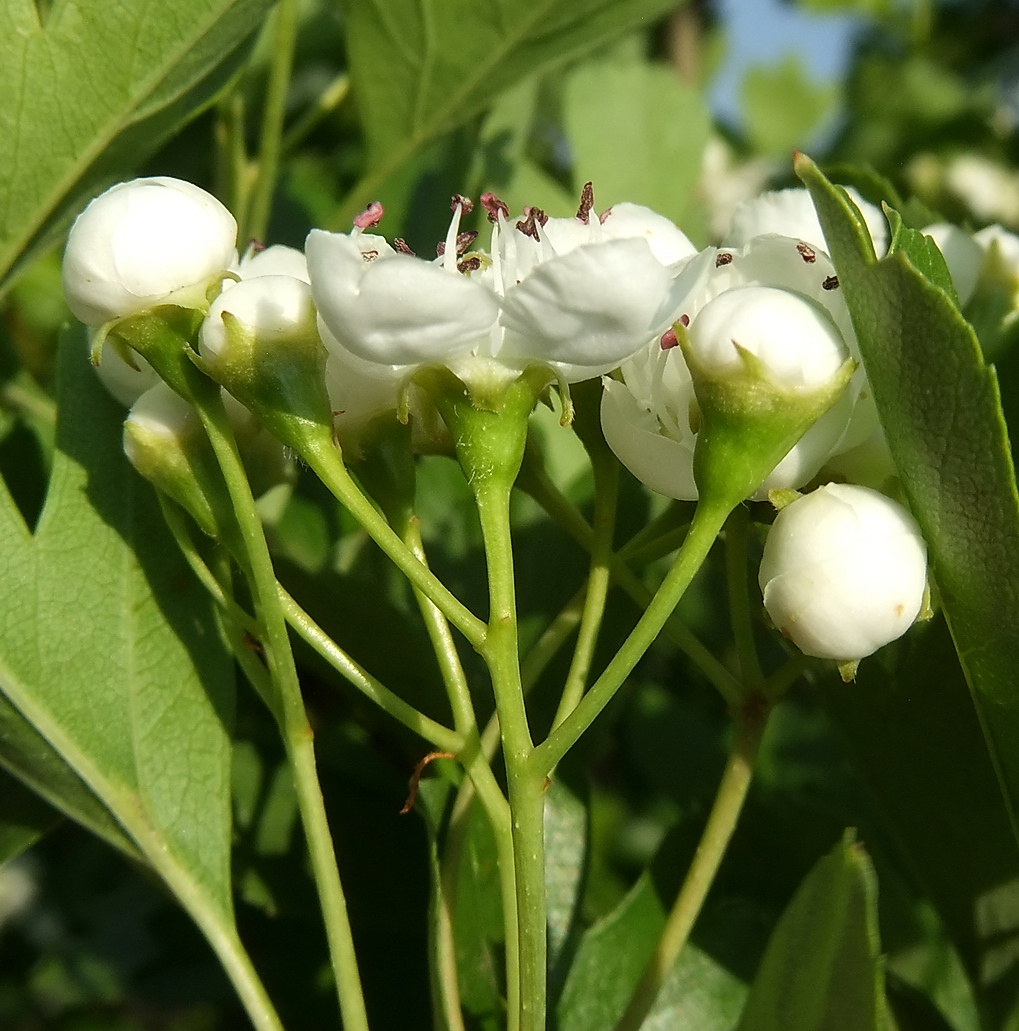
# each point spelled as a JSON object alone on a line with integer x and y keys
{"x": 141, "y": 241}
{"x": 843, "y": 572}
{"x": 795, "y": 339}
{"x": 272, "y": 307}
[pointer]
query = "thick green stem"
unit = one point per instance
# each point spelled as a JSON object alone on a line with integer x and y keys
{"x": 295, "y": 728}
{"x": 284, "y": 40}
{"x": 707, "y": 523}
{"x": 732, "y": 792}
{"x": 327, "y": 464}
{"x": 526, "y": 789}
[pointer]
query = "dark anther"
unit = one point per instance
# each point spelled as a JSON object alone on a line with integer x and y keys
{"x": 684, "y": 320}
{"x": 669, "y": 339}
{"x": 371, "y": 216}
{"x": 529, "y": 224}
{"x": 369, "y": 256}
{"x": 471, "y": 264}
{"x": 831, "y": 283}
{"x": 586, "y": 203}
{"x": 493, "y": 206}
{"x": 466, "y": 204}
{"x": 254, "y": 644}
{"x": 401, "y": 245}
{"x": 807, "y": 253}
{"x": 255, "y": 245}
{"x": 464, "y": 240}
{"x": 723, "y": 258}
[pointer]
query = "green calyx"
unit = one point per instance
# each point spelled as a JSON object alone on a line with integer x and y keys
{"x": 749, "y": 422}
{"x": 488, "y": 426}
{"x": 280, "y": 379}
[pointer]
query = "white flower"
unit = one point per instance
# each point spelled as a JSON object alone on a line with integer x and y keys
{"x": 843, "y": 572}
{"x": 791, "y": 213}
{"x": 780, "y": 299}
{"x": 580, "y": 294}
{"x": 140, "y": 242}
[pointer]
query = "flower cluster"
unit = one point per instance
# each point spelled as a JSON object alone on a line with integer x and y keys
{"x": 691, "y": 344}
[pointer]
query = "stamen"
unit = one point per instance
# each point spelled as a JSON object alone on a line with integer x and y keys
{"x": 471, "y": 264}
{"x": 464, "y": 240}
{"x": 807, "y": 253}
{"x": 493, "y": 206}
{"x": 528, "y": 225}
{"x": 401, "y": 245}
{"x": 669, "y": 339}
{"x": 831, "y": 283}
{"x": 604, "y": 215}
{"x": 371, "y": 216}
{"x": 586, "y": 203}
{"x": 255, "y": 246}
{"x": 369, "y": 256}
{"x": 684, "y": 321}
{"x": 449, "y": 251}
{"x": 465, "y": 203}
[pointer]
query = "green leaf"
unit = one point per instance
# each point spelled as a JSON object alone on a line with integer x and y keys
{"x": 783, "y": 107}
{"x": 111, "y": 651}
{"x": 637, "y": 133}
{"x": 89, "y": 93}
{"x": 420, "y": 68}
{"x": 698, "y": 995}
{"x": 916, "y": 740}
{"x": 923, "y": 253}
{"x": 940, "y": 408}
{"x": 822, "y": 968}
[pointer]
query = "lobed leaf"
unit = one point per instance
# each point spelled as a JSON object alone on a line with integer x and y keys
{"x": 421, "y": 68}
{"x": 85, "y": 94}
{"x": 940, "y": 409}
{"x": 116, "y": 690}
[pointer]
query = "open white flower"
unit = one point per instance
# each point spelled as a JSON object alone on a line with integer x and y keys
{"x": 140, "y": 242}
{"x": 791, "y": 213}
{"x": 843, "y": 572}
{"x": 778, "y": 298}
{"x": 579, "y": 294}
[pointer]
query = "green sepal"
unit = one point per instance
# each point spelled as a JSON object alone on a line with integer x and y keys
{"x": 783, "y": 497}
{"x": 748, "y": 422}
{"x": 282, "y": 381}
{"x": 488, "y": 426}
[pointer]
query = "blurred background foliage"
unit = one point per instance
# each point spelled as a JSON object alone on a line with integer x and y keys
{"x": 695, "y": 111}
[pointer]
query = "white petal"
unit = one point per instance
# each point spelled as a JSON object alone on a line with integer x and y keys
{"x": 397, "y": 309}
{"x": 591, "y": 307}
{"x": 664, "y": 464}
{"x": 277, "y": 260}
{"x": 668, "y": 244}
{"x": 791, "y": 213}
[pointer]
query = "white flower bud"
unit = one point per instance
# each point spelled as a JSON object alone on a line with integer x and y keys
{"x": 124, "y": 382}
{"x": 1006, "y": 245}
{"x": 277, "y": 260}
{"x": 271, "y": 307}
{"x": 843, "y": 572}
{"x": 795, "y": 339}
{"x": 141, "y": 241}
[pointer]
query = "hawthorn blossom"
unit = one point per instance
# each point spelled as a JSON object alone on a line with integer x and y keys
{"x": 579, "y": 294}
